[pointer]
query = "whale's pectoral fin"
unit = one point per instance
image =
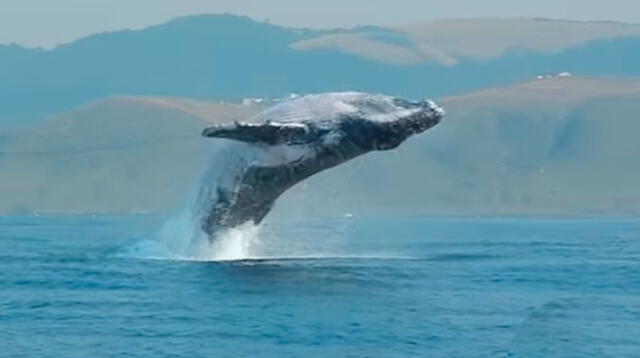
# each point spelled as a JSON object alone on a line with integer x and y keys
{"x": 271, "y": 133}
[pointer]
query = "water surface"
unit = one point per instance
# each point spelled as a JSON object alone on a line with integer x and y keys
{"x": 84, "y": 286}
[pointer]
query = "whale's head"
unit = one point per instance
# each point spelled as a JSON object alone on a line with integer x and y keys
{"x": 377, "y": 122}
{"x": 370, "y": 122}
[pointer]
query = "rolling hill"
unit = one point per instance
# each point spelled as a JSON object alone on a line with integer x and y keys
{"x": 556, "y": 146}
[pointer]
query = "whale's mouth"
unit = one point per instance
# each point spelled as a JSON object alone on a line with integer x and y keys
{"x": 413, "y": 118}
{"x": 426, "y": 117}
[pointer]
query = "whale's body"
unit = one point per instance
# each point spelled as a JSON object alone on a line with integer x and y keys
{"x": 293, "y": 140}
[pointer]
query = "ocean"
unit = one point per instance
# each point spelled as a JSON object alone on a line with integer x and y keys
{"x": 112, "y": 286}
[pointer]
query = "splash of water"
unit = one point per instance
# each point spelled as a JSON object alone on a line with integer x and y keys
{"x": 240, "y": 243}
{"x": 180, "y": 238}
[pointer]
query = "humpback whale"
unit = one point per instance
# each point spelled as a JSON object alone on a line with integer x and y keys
{"x": 298, "y": 138}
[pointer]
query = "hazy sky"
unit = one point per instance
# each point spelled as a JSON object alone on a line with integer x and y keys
{"x": 50, "y": 22}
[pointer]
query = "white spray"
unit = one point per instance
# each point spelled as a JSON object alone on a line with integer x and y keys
{"x": 181, "y": 236}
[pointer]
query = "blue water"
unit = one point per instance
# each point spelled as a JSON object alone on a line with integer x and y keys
{"x": 349, "y": 287}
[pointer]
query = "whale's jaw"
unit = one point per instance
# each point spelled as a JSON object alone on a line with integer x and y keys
{"x": 352, "y": 124}
{"x": 423, "y": 116}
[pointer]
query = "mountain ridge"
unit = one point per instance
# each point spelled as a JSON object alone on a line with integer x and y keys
{"x": 226, "y": 57}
